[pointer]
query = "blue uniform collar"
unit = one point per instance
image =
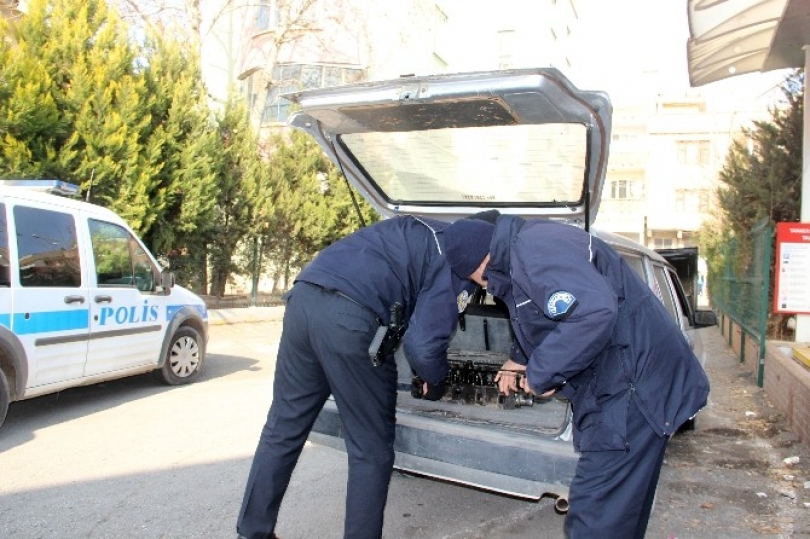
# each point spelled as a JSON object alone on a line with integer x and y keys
{"x": 498, "y": 273}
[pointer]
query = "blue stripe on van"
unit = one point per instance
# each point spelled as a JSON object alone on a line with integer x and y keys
{"x": 171, "y": 310}
{"x": 46, "y": 322}
{"x": 5, "y": 320}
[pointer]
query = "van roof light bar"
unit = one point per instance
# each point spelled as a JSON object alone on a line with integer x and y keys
{"x": 54, "y": 187}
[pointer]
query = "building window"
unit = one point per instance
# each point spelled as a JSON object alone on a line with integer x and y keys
{"x": 692, "y": 200}
{"x": 277, "y": 107}
{"x": 625, "y": 190}
{"x": 288, "y": 78}
{"x": 704, "y": 200}
{"x": 694, "y": 152}
{"x": 506, "y": 49}
{"x": 441, "y": 39}
{"x": 311, "y": 76}
{"x": 663, "y": 243}
{"x": 680, "y": 201}
{"x": 266, "y": 15}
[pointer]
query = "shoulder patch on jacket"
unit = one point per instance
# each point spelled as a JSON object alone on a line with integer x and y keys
{"x": 560, "y": 305}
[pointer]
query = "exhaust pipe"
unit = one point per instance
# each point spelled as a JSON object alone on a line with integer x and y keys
{"x": 561, "y": 504}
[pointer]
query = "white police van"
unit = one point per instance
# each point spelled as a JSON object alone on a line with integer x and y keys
{"x": 83, "y": 301}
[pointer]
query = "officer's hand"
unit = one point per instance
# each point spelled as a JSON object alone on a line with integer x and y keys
{"x": 433, "y": 392}
{"x": 524, "y": 385}
{"x": 507, "y": 376}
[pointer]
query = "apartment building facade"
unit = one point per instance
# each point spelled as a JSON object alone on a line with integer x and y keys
{"x": 272, "y": 47}
{"x": 665, "y": 158}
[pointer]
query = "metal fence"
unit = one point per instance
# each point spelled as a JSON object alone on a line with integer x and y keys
{"x": 741, "y": 290}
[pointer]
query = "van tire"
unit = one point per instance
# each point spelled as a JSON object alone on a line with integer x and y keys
{"x": 184, "y": 357}
{"x": 5, "y": 397}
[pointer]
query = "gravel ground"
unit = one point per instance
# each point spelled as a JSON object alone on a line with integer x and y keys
{"x": 729, "y": 477}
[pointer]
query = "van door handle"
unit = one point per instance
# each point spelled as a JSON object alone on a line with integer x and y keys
{"x": 103, "y": 299}
{"x": 74, "y": 299}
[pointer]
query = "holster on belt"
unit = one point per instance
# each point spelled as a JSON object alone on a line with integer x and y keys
{"x": 387, "y": 338}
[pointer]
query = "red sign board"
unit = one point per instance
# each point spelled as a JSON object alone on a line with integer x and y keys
{"x": 792, "y": 284}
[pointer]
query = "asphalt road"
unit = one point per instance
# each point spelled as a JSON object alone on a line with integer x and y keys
{"x": 135, "y": 459}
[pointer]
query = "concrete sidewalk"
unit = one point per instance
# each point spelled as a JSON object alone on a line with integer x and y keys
{"x": 742, "y": 473}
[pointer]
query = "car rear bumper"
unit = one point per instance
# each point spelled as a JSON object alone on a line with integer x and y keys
{"x": 522, "y": 465}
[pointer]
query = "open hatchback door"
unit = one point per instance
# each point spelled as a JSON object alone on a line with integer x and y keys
{"x": 524, "y": 142}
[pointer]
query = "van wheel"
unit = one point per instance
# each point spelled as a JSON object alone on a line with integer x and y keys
{"x": 184, "y": 358}
{"x": 5, "y": 397}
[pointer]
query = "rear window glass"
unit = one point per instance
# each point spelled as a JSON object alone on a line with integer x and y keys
{"x": 47, "y": 248}
{"x": 514, "y": 164}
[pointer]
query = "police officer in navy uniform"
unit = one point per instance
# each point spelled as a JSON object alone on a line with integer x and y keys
{"x": 587, "y": 328}
{"x": 332, "y": 314}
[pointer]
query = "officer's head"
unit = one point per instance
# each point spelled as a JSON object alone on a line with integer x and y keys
{"x": 466, "y": 245}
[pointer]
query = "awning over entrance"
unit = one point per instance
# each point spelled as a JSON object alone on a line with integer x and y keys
{"x": 734, "y": 37}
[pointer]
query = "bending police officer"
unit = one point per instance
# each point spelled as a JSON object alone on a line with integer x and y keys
{"x": 332, "y": 314}
{"x": 588, "y": 328}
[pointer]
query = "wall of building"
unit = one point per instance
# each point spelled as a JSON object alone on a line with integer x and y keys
{"x": 671, "y": 148}
{"x": 787, "y": 384}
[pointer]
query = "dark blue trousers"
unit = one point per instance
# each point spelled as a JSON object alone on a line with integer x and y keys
{"x": 324, "y": 349}
{"x": 612, "y": 493}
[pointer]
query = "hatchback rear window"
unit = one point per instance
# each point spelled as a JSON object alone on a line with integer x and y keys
{"x": 515, "y": 165}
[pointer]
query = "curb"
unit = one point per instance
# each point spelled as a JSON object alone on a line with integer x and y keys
{"x": 219, "y": 317}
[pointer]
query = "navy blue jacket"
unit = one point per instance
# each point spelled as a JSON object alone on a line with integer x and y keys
{"x": 400, "y": 260}
{"x": 587, "y": 324}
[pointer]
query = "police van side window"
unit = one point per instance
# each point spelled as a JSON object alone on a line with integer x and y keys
{"x": 683, "y": 299}
{"x": 5, "y": 271}
{"x": 636, "y": 263}
{"x": 120, "y": 260}
{"x": 144, "y": 269}
{"x": 47, "y": 248}
{"x": 664, "y": 291}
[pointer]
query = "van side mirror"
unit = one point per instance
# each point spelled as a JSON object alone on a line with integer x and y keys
{"x": 166, "y": 280}
{"x": 705, "y": 318}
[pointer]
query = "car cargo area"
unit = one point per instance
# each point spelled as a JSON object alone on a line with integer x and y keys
{"x": 477, "y": 351}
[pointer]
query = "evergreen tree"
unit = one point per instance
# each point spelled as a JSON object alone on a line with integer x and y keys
{"x": 185, "y": 141}
{"x": 239, "y": 182}
{"x": 761, "y": 179}
{"x": 70, "y": 62}
{"x": 312, "y": 205}
{"x": 763, "y": 171}
{"x": 27, "y": 109}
